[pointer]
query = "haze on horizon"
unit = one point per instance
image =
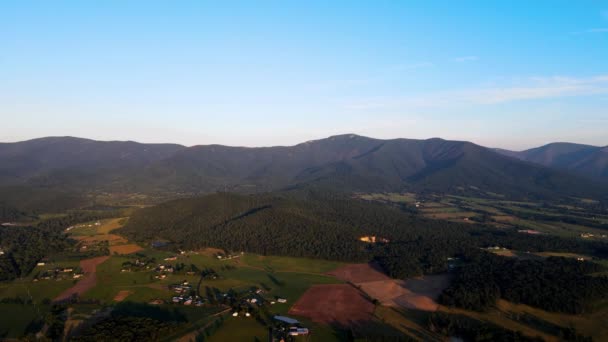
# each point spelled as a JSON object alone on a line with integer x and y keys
{"x": 514, "y": 75}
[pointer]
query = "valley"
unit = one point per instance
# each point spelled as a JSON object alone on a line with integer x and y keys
{"x": 129, "y": 274}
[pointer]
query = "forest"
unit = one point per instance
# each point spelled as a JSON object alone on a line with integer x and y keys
{"x": 328, "y": 226}
{"x": 24, "y": 246}
{"x": 553, "y": 284}
{"x": 133, "y": 322}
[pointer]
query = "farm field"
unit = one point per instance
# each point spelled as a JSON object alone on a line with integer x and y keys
{"x": 339, "y": 304}
{"x": 318, "y": 293}
{"x": 558, "y": 219}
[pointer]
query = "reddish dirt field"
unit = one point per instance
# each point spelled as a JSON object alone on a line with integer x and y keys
{"x": 122, "y": 295}
{"x": 359, "y": 273}
{"x": 88, "y": 281}
{"x": 339, "y": 304}
{"x": 111, "y": 238}
{"x": 416, "y": 293}
{"x": 125, "y": 249}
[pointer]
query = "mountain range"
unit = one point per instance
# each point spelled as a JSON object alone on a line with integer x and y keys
{"x": 345, "y": 162}
{"x": 586, "y": 160}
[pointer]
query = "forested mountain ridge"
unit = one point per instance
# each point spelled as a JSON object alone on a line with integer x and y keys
{"x": 586, "y": 160}
{"x": 344, "y": 162}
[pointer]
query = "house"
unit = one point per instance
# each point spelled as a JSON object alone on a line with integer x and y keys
{"x": 295, "y": 331}
{"x": 235, "y": 314}
{"x": 373, "y": 239}
{"x": 286, "y": 319}
{"x": 173, "y": 258}
{"x": 156, "y": 302}
{"x": 77, "y": 275}
{"x": 40, "y": 264}
{"x": 281, "y": 300}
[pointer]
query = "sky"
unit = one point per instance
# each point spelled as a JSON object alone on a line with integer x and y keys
{"x": 510, "y": 74}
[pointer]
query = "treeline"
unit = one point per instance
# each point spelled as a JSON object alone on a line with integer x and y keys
{"x": 60, "y": 223}
{"x": 553, "y": 284}
{"x": 328, "y": 226}
{"x": 132, "y": 322}
{"x": 10, "y": 214}
{"x": 469, "y": 329}
{"x": 23, "y": 247}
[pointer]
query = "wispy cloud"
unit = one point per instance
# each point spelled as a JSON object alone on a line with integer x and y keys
{"x": 466, "y": 59}
{"x": 532, "y": 88}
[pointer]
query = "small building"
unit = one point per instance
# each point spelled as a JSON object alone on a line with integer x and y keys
{"x": 295, "y": 331}
{"x": 282, "y": 300}
{"x": 286, "y": 319}
{"x": 40, "y": 264}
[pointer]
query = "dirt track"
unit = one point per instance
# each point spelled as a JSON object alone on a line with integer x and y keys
{"x": 122, "y": 295}
{"x": 337, "y": 304}
{"x": 88, "y": 281}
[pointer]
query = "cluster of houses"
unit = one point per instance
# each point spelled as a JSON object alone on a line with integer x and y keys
{"x": 289, "y": 326}
{"x": 590, "y": 235}
{"x": 139, "y": 264}
{"x": 58, "y": 273}
{"x": 529, "y": 231}
{"x": 229, "y": 256}
{"x": 189, "y": 300}
{"x": 96, "y": 224}
{"x": 181, "y": 288}
{"x": 162, "y": 271}
{"x": 373, "y": 239}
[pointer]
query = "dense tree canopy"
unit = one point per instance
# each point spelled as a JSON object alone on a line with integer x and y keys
{"x": 325, "y": 226}
{"x": 553, "y": 284}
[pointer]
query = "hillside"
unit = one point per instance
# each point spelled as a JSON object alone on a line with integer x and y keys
{"x": 346, "y": 163}
{"x": 585, "y": 160}
{"x": 325, "y": 226}
{"x": 68, "y": 160}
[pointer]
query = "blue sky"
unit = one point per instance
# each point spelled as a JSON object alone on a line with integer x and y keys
{"x": 512, "y": 74}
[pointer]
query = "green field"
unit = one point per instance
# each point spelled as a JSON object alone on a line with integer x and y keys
{"x": 16, "y": 318}
{"x": 289, "y": 264}
{"x": 37, "y": 291}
